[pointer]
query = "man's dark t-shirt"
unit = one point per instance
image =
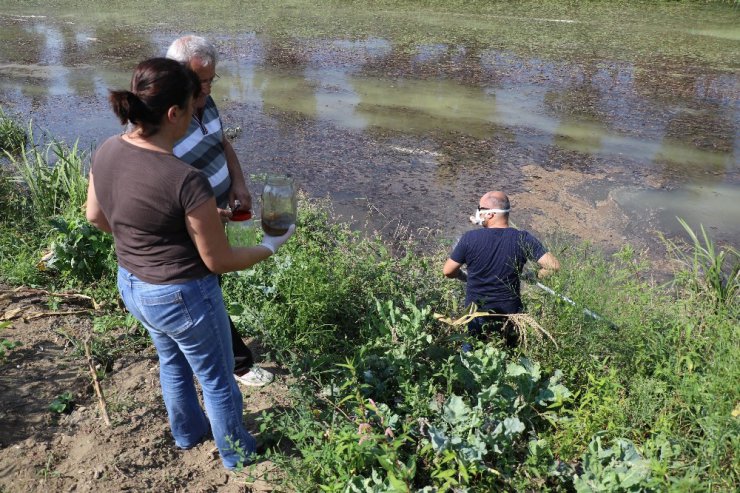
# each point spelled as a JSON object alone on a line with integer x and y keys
{"x": 494, "y": 258}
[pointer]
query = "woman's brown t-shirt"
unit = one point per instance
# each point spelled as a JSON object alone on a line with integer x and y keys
{"x": 145, "y": 196}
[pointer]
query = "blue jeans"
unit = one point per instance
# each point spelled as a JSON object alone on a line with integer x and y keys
{"x": 190, "y": 329}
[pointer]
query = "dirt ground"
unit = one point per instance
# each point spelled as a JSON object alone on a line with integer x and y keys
{"x": 41, "y": 450}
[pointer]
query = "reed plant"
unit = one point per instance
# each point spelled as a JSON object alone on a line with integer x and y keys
{"x": 706, "y": 269}
{"x": 12, "y": 134}
{"x": 54, "y": 175}
{"x": 21, "y": 236}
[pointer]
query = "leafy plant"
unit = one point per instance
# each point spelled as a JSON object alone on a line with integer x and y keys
{"x": 486, "y": 431}
{"x": 63, "y": 403}
{"x": 6, "y": 344}
{"x": 79, "y": 251}
{"x": 619, "y": 468}
{"x": 382, "y": 422}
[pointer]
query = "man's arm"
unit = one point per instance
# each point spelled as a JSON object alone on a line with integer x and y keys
{"x": 452, "y": 270}
{"x": 549, "y": 264}
{"x": 239, "y": 190}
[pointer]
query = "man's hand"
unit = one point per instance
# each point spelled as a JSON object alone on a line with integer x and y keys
{"x": 239, "y": 191}
{"x": 453, "y": 270}
{"x": 240, "y": 198}
{"x": 549, "y": 265}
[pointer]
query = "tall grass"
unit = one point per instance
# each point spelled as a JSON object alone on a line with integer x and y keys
{"x": 44, "y": 189}
{"x": 12, "y": 134}
{"x": 712, "y": 272}
{"x": 54, "y": 175}
{"x": 669, "y": 370}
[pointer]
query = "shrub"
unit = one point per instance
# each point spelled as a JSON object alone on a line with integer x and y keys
{"x": 311, "y": 298}
{"x": 80, "y": 252}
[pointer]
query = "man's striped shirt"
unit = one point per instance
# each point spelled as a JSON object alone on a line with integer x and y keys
{"x": 203, "y": 148}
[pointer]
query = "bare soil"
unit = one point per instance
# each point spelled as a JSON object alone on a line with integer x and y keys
{"x": 41, "y": 450}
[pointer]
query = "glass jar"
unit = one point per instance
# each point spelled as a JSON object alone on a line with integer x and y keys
{"x": 241, "y": 230}
{"x": 279, "y": 205}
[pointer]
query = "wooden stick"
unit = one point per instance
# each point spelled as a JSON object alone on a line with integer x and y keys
{"x": 34, "y": 315}
{"x": 21, "y": 290}
{"x": 19, "y": 313}
{"x": 96, "y": 383}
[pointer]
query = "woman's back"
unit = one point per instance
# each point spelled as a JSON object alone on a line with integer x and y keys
{"x": 145, "y": 195}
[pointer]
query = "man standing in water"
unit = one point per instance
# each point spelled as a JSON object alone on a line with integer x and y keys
{"x": 495, "y": 256}
{"x": 205, "y": 147}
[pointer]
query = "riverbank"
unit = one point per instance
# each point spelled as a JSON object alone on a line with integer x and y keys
{"x": 372, "y": 391}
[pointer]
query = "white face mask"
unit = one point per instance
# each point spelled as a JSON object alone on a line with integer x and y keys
{"x": 478, "y": 217}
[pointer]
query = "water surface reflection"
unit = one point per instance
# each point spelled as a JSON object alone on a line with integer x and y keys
{"x": 372, "y": 121}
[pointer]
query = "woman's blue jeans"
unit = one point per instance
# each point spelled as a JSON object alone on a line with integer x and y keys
{"x": 190, "y": 329}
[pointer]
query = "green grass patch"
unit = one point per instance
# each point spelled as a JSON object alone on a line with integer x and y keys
{"x": 696, "y": 31}
{"x": 12, "y": 134}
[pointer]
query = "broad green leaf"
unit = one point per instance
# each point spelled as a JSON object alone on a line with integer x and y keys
{"x": 396, "y": 484}
{"x": 385, "y": 462}
{"x": 513, "y": 426}
{"x": 474, "y": 451}
{"x": 438, "y": 439}
{"x": 455, "y": 410}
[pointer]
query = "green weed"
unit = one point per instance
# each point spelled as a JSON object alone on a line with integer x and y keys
{"x": 6, "y": 345}
{"x": 80, "y": 252}
{"x": 63, "y": 403}
{"x": 711, "y": 271}
{"x": 12, "y": 135}
{"x": 54, "y": 175}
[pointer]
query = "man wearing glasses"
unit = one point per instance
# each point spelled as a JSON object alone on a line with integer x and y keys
{"x": 206, "y": 147}
{"x": 495, "y": 256}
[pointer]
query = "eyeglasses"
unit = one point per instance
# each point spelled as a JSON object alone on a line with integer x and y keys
{"x": 487, "y": 209}
{"x": 210, "y": 81}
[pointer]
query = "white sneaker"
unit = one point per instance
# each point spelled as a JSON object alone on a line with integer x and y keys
{"x": 255, "y": 377}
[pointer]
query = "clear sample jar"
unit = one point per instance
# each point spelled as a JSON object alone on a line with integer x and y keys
{"x": 279, "y": 205}
{"x": 241, "y": 230}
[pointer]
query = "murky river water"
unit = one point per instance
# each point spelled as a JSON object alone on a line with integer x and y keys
{"x": 604, "y": 124}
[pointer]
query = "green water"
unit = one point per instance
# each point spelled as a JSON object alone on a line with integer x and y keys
{"x": 394, "y": 103}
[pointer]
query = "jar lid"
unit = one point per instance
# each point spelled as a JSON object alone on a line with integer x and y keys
{"x": 241, "y": 216}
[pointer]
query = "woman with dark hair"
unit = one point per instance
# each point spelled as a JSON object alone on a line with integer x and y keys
{"x": 170, "y": 245}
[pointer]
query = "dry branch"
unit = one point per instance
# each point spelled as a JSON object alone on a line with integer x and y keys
{"x": 96, "y": 383}
{"x": 521, "y": 320}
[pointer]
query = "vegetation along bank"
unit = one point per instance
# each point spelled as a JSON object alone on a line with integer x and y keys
{"x": 381, "y": 397}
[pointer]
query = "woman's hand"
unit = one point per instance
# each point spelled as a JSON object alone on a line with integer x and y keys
{"x": 207, "y": 232}
{"x": 275, "y": 242}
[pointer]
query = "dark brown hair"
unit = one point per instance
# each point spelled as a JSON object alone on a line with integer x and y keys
{"x": 156, "y": 86}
